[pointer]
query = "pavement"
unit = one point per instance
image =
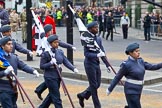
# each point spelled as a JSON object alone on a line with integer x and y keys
{"x": 150, "y": 51}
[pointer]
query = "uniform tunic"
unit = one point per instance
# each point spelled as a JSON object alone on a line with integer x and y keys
{"x": 134, "y": 70}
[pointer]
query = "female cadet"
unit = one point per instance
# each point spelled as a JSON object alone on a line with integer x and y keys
{"x": 51, "y": 76}
{"x": 134, "y": 70}
{"x": 48, "y": 30}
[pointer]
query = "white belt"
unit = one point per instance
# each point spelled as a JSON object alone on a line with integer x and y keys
{"x": 138, "y": 82}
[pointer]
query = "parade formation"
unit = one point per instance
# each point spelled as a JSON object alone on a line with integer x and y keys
{"x": 46, "y": 44}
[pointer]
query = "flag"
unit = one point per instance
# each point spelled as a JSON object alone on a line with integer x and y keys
{"x": 3, "y": 62}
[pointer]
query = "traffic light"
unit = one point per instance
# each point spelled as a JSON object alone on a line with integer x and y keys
{"x": 123, "y": 1}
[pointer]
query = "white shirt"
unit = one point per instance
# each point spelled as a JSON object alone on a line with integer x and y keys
{"x": 125, "y": 20}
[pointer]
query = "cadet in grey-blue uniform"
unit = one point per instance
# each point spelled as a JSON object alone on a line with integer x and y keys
{"x": 92, "y": 64}
{"x": 4, "y": 15}
{"x": 48, "y": 30}
{"x": 134, "y": 70}
{"x": 8, "y": 92}
{"x": 6, "y": 31}
{"x": 51, "y": 76}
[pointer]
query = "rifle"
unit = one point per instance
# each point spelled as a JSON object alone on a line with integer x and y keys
{"x": 47, "y": 47}
{"x": 21, "y": 87}
{"x": 82, "y": 28}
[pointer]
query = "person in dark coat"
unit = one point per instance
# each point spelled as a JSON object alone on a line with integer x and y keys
{"x": 92, "y": 64}
{"x": 52, "y": 79}
{"x": 48, "y": 30}
{"x": 8, "y": 92}
{"x": 110, "y": 26}
{"x": 146, "y": 26}
{"x": 134, "y": 70}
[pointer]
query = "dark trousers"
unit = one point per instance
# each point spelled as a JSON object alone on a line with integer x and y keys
{"x": 41, "y": 88}
{"x": 8, "y": 100}
{"x": 94, "y": 78}
{"x": 133, "y": 100}
{"x": 147, "y": 33}
{"x": 109, "y": 31}
{"x": 125, "y": 31}
{"x": 53, "y": 95}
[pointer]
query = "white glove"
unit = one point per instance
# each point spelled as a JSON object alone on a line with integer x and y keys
{"x": 8, "y": 70}
{"x": 76, "y": 70}
{"x": 101, "y": 54}
{"x": 31, "y": 54}
{"x": 109, "y": 69}
{"x": 107, "y": 92}
{"x": 35, "y": 72}
{"x": 74, "y": 48}
{"x": 53, "y": 61}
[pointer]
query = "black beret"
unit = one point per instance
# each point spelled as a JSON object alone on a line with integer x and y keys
{"x": 52, "y": 38}
{"x": 131, "y": 47}
{"x": 92, "y": 24}
{"x": 47, "y": 28}
{"x": 5, "y": 28}
{"x": 4, "y": 40}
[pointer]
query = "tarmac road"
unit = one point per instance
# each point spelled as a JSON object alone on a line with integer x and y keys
{"x": 151, "y": 97}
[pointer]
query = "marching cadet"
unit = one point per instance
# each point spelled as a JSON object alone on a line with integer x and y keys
{"x": 14, "y": 20}
{"x": 125, "y": 22}
{"x": 23, "y": 24}
{"x": 6, "y": 32}
{"x": 52, "y": 79}
{"x": 134, "y": 70}
{"x": 8, "y": 94}
{"x": 92, "y": 65}
{"x": 48, "y": 30}
{"x": 4, "y": 16}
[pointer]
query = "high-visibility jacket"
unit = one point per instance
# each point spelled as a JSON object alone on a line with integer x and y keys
{"x": 89, "y": 17}
{"x": 59, "y": 14}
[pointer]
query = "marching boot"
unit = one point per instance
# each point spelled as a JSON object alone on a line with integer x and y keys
{"x": 81, "y": 100}
{"x": 39, "y": 95}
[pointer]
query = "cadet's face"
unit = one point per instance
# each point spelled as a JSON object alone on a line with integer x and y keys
{"x": 7, "y": 33}
{"x": 55, "y": 44}
{"x": 50, "y": 32}
{"x": 8, "y": 47}
{"x": 94, "y": 29}
{"x": 135, "y": 54}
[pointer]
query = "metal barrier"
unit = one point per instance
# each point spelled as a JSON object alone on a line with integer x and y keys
{"x": 117, "y": 21}
{"x": 155, "y": 29}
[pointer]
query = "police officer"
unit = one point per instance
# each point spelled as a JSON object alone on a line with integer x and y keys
{"x": 48, "y": 30}
{"x": 147, "y": 24}
{"x": 23, "y": 24}
{"x": 8, "y": 96}
{"x": 4, "y": 16}
{"x": 110, "y": 26}
{"x": 52, "y": 79}
{"x": 92, "y": 64}
{"x": 134, "y": 70}
{"x": 6, "y": 32}
{"x": 125, "y": 22}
